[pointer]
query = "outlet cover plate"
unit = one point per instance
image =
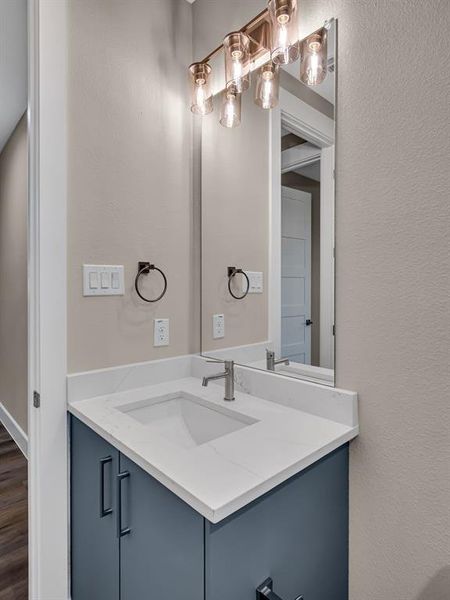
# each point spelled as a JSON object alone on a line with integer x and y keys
{"x": 161, "y": 335}
{"x": 218, "y": 326}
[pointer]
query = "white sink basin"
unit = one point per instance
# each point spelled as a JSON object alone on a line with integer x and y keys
{"x": 184, "y": 419}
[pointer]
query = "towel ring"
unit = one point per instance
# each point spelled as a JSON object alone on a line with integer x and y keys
{"x": 144, "y": 268}
{"x": 231, "y": 273}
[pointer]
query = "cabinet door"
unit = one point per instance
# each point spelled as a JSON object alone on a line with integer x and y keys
{"x": 162, "y": 555}
{"x": 296, "y": 534}
{"x": 95, "y": 546}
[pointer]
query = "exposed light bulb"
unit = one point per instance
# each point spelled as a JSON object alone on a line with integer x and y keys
{"x": 237, "y": 60}
{"x": 201, "y": 103}
{"x": 283, "y": 17}
{"x": 313, "y": 65}
{"x": 231, "y": 107}
{"x": 267, "y": 86}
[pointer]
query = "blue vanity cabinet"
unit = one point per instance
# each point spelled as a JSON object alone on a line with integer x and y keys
{"x": 131, "y": 537}
{"x": 94, "y": 546}
{"x": 297, "y": 534}
{"x": 162, "y": 556}
{"x": 151, "y": 544}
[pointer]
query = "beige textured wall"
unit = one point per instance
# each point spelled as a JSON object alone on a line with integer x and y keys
{"x": 130, "y": 175}
{"x": 235, "y": 209}
{"x": 13, "y": 274}
{"x": 393, "y": 211}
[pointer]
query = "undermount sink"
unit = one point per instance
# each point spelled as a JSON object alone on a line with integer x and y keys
{"x": 184, "y": 419}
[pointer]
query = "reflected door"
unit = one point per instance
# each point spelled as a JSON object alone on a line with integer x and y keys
{"x": 295, "y": 275}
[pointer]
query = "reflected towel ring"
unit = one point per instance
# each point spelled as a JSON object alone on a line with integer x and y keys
{"x": 231, "y": 273}
{"x": 144, "y": 268}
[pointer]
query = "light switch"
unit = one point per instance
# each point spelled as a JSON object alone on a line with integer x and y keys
{"x": 93, "y": 280}
{"x": 115, "y": 280}
{"x": 256, "y": 282}
{"x": 103, "y": 280}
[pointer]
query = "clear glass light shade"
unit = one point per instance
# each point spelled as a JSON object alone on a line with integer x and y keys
{"x": 285, "y": 45}
{"x": 230, "y": 115}
{"x": 201, "y": 101}
{"x": 313, "y": 64}
{"x": 237, "y": 61}
{"x": 267, "y": 86}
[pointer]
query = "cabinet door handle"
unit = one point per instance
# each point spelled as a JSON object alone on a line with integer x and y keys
{"x": 264, "y": 591}
{"x": 104, "y": 511}
{"x": 126, "y": 530}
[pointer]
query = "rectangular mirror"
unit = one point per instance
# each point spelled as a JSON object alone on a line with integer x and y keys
{"x": 267, "y": 213}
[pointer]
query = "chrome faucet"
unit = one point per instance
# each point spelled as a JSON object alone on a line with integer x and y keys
{"x": 271, "y": 362}
{"x": 228, "y": 375}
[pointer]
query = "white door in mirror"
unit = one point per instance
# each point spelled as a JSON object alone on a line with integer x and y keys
{"x": 161, "y": 332}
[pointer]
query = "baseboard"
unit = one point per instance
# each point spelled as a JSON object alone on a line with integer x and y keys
{"x": 14, "y": 430}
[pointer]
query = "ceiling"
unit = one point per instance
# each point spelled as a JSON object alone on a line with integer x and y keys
{"x": 13, "y": 65}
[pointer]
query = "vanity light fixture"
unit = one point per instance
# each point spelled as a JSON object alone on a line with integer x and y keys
{"x": 313, "y": 62}
{"x": 283, "y": 17}
{"x": 267, "y": 86}
{"x": 230, "y": 115}
{"x": 270, "y": 39}
{"x": 202, "y": 102}
{"x": 236, "y": 47}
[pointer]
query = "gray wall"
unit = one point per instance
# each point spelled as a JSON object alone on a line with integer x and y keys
{"x": 130, "y": 176}
{"x": 13, "y": 275}
{"x": 393, "y": 209}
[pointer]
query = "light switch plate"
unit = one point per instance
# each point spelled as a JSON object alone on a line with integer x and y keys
{"x": 218, "y": 326}
{"x": 256, "y": 282}
{"x": 103, "y": 280}
{"x": 161, "y": 332}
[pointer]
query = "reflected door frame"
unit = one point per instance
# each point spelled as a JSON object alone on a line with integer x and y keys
{"x": 303, "y": 120}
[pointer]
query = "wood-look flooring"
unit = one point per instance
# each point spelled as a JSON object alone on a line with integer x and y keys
{"x": 13, "y": 520}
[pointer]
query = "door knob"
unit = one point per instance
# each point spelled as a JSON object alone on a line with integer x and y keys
{"x": 308, "y": 322}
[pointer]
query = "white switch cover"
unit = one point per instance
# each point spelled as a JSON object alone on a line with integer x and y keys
{"x": 103, "y": 280}
{"x": 161, "y": 332}
{"x": 218, "y": 326}
{"x": 256, "y": 282}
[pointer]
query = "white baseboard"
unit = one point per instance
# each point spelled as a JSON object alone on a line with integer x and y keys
{"x": 14, "y": 430}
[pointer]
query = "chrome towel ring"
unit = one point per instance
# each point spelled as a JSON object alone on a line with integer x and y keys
{"x": 144, "y": 268}
{"x": 232, "y": 271}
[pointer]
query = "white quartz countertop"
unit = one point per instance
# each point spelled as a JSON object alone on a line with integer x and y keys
{"x": 220, "y": 476}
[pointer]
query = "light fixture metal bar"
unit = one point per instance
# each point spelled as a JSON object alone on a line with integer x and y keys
{"x": 258, "y": 32}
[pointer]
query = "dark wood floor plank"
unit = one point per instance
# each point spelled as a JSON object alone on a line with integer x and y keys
{"x": 13, "y": 520}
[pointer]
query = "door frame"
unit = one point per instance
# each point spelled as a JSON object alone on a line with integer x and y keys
{"x": 48, "y": 493}
{"x": 301, "y": 119}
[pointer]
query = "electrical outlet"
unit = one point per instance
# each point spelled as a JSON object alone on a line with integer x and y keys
{"x": 256, "y": 282}
{"x": 218, "y": 326}
{"x": 161, "y": 332}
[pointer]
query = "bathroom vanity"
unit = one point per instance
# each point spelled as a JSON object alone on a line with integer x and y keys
{"x": 177, "y": 495}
